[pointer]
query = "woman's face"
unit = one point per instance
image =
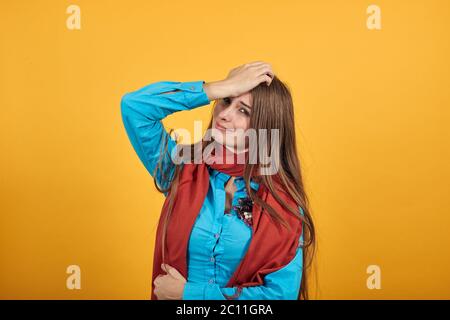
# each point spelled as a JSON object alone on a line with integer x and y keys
{"x": 230, "y": 115}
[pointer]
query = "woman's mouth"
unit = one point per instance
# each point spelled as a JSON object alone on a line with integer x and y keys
{"x": 218, "y": 126}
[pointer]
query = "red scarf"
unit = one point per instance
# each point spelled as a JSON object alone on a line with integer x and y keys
{"x": 270, "y": 248}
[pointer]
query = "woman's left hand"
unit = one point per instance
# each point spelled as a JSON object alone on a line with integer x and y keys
{"x": 169, "y": 286}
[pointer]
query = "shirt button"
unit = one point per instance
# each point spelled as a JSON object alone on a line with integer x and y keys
{"x": 211, "y": 281}
{"x": 192, "y": 88}
{"x": 212, "y": 259}
{"x": 216, "y": 235}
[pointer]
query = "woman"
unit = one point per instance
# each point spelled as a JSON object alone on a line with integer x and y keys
{"x": 226, "y": 231}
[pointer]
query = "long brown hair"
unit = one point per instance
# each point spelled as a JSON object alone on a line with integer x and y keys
{"x": 272, "y": 109}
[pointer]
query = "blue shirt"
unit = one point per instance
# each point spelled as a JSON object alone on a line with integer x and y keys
{"x": 218, "y": 241}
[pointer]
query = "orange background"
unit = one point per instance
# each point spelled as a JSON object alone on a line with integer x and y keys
{"x": 372, "y": 109}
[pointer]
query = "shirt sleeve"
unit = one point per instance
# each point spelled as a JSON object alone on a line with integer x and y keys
{"x": 142, "y": 112}
{"x": 283, "y": 284}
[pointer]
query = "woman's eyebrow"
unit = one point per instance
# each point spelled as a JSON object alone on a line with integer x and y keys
{"x": 245, "y": 105}
{"x": 241, "y": 102}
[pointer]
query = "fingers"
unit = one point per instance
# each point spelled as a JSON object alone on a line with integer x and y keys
{"x": 254, "y": 63}
{"x": 245, "y": 78}
{"x": 158, "y": 280}
{"x": 172, "y": 271}
{"x": 266, "y": 68}
{"x": 156, "y": 292}
{"x": 268, "y": 76}
{"x": 259, "y": 64}
{"x": 265, "y": 73}
{"x": 265, "y": 78}
{"x": 158, "y": 284}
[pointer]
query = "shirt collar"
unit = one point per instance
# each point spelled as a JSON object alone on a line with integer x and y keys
{"x": 239, "y": 180}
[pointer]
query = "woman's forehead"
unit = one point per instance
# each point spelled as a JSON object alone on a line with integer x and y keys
{"x": 245, "y": 98}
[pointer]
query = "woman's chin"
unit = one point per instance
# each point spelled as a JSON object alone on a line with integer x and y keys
{"x": 220, "y": 139}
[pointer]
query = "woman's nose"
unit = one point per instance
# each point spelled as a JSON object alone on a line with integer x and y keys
{"x": 226, "y": 113}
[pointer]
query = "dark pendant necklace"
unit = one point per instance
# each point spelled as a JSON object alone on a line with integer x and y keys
{"x": 244, "y": 210}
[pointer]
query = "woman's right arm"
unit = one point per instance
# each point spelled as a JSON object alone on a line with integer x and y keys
{"x": 143, "y": 110}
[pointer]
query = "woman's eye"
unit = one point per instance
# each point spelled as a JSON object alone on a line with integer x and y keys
{"x": 245, "y": 111}
{"x": 227, "y": 101}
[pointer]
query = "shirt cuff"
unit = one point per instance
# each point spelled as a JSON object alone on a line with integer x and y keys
{"x": 195, "y": 94}
{"x": 193, "y": 291}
